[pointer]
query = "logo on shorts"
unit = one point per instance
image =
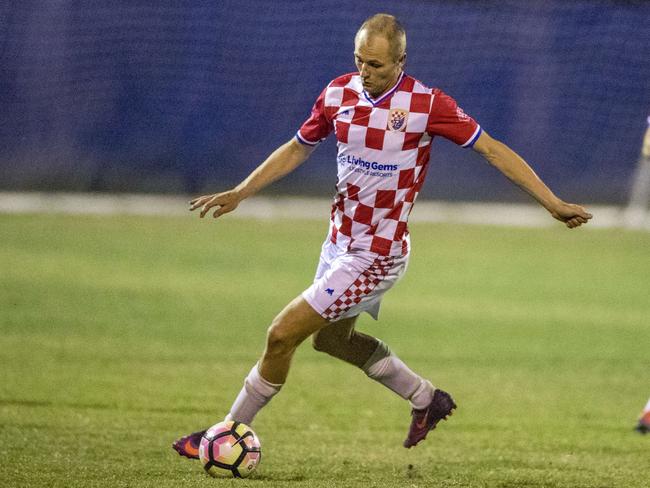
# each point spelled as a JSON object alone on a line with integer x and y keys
{"x": 397, "y": 118}
{"x": 330, "y": 291}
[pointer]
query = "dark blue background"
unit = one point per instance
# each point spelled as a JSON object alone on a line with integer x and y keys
{"x": 189, "y": 96}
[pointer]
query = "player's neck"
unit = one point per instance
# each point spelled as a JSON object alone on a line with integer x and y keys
{"x": 389, "y": 88}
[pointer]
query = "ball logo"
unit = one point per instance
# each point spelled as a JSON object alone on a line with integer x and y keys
{"x": 397, "y": 118}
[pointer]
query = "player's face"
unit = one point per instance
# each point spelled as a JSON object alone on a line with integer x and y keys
{"x": 374, "y": 59}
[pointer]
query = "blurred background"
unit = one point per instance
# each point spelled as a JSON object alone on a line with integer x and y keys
{"x": 189, "y": 96}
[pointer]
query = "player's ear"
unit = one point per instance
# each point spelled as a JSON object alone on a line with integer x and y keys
{"x": 402, "y": 60}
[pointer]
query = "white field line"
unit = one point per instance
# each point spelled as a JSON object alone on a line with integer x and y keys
{"x": 269, "y": 208}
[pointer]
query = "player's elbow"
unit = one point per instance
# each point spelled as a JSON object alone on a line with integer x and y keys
{"x": 488, "y": 147}
{"x": 496, "y": 153}
{"x": 300, "y": 151}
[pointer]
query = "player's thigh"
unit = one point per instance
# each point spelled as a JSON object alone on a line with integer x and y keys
{"x": 297, "y": 321}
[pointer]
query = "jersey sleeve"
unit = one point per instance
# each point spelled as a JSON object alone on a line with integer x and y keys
{"x": 318, "y": 126}
{"x": 448, "y": 120}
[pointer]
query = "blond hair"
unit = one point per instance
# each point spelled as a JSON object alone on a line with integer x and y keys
{"x": 390, "y": 28}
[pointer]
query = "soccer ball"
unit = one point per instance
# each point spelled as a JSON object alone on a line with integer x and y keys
{"x": 230, "y": 450}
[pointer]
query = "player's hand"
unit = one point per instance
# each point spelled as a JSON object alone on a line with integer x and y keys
{"x": 571, "y": 214}
{"x": 225, "y": 202}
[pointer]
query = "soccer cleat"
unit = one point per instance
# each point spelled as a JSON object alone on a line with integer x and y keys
{"x": 188, "y": 446}
{"x": 643, "y": 427}
{"x": 422, "y": 421}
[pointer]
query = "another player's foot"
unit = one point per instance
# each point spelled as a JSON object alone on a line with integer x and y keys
{"x": 188, "y": 446}
{"x": 422, "y": 421}
{"x": 643, "y": 427}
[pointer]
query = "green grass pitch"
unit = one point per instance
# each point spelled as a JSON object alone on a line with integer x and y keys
{"x": 119, "y": 334}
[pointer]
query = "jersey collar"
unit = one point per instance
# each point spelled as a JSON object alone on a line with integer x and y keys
{"x": 387, "y": 94}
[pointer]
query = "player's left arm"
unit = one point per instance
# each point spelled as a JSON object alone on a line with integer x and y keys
{"x": 519, "y": 172}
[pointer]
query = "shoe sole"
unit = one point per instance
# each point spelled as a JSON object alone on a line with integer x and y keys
{"x": 435, "y": 424}
{"x": 183, "y": 450}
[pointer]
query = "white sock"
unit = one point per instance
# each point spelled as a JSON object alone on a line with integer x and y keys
{"x": 647, "y": 407}
{"x": 395, "y": 375}
{"x": 255, "y": 393}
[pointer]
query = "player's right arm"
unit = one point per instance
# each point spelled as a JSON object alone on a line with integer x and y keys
{"x": 281, "y": 162}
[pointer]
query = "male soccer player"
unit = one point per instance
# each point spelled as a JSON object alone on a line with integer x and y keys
{"x": 637, "y": 208}
{"x": 636, "y": 214}
{"x": 643, "y": 425}
{"x": 384, "y": 122}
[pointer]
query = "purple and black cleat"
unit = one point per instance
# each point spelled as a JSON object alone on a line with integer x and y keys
{"x": 422, "y": 421}
{"x": 188, "y": 446}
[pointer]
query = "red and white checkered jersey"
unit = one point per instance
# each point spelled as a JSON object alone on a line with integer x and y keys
{"x": 383, "y": 155}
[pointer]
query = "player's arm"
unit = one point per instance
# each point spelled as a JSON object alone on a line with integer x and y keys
{"x": 281, "y": 162}
{"x": 517, "y": 170}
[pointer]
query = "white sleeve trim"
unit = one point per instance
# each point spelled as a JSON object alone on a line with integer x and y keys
{"x": 470, "y": 142}
{"x": 304, "y": 141}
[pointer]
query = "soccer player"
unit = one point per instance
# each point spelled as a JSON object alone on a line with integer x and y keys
{"x": 643, "y": 425}
{"x": 636, "y": 210}
{"x": 384, "y": 122}
{"x": 636, "y": 214}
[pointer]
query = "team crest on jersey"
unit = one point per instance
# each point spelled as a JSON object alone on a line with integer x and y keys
{"x": 397, "y": 118}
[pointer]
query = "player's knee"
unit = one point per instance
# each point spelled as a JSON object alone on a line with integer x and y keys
{"x": 276, "y": 339}
{"x": 280, "y": 339}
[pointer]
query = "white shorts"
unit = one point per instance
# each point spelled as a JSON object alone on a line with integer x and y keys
{"x": 348, "y": 283}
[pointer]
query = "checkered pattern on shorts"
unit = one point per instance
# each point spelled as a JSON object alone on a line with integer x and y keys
{"x": 363, "y": 285}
